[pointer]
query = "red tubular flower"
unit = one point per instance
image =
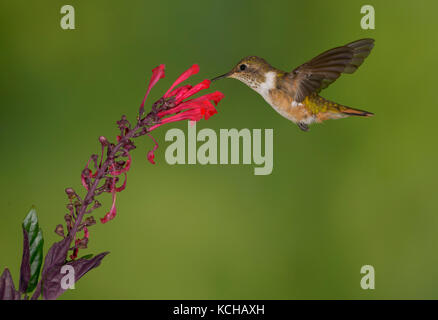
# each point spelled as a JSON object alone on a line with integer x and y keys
{"x": 180, "y": 91}
{"x": 113, "y": 211}
{"x": 124, "y": 169}
{"x": 74, "y": 255}
{"x": 214, "y": 96}
{"x": 123, "y": 186}
{"x": 86, "y": 175}
{"x": 194, "y": 69}
{"x": 157, "y": 74}
{"x": 80, "y": 243}
{"x": 151, "y": 154}
{"x": 200, "y": 86}
{"x": 114, "y": 189}
{"x": 86, "y": 233}
{"x": 194, "y": 109}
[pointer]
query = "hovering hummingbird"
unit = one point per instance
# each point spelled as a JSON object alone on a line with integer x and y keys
{"x": 294, "y": 94}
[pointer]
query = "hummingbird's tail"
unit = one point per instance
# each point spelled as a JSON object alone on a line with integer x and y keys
{"x": 354, "y": 112}
{"x": 325, "y": 109}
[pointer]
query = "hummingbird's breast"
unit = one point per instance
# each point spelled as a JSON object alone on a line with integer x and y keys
{"x": 282, "y": 102}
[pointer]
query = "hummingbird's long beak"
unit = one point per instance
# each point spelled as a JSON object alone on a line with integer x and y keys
{"x": 220, "y": 77}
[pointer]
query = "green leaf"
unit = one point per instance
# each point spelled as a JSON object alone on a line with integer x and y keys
{"x": 87, "y": 256}
{"x": 35, "y": 241}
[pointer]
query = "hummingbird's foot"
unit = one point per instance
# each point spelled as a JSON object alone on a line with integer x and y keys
{"x": 303, "y": 126}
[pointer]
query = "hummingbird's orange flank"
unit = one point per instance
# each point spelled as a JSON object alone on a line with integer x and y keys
{"x": 294, "y": 94}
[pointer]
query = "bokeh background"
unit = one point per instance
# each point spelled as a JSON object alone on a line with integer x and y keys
{"x": 348, "y": 193}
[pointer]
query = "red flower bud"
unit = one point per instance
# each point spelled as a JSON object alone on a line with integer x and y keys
{"x": 151, "y": 156}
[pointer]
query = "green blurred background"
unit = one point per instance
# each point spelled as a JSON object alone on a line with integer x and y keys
{"x": 348, "y": 193}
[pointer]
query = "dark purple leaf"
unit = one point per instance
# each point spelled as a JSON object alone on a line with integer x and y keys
{"x": 37, "y": 292}
{"x": 7, "y": 288}
{"x": 52, "y": 279}
{"x": 56, "y": 255}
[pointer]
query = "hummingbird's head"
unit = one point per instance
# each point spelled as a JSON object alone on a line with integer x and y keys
{"x": 250, "y": 70}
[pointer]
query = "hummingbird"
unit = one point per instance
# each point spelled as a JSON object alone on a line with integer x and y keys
{"x": 295, "y": 94}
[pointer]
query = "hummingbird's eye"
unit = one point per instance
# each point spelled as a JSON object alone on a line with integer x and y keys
{"x": 242, "y": 67}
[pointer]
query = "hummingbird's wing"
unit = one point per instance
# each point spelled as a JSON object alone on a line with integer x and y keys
{"x": 321, "y": 71}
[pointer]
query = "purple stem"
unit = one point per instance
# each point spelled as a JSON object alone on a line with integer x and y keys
{"x": 100, "y": 174}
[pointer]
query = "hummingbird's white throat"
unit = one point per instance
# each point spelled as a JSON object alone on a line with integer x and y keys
{"x": 268, "y": 84}
{"x": 261, "y": 88}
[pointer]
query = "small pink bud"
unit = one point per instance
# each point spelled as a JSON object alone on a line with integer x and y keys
{"x": 103, "y": 140}
{"x": 59, "y": 230}
{"x": 69, "y": 191}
